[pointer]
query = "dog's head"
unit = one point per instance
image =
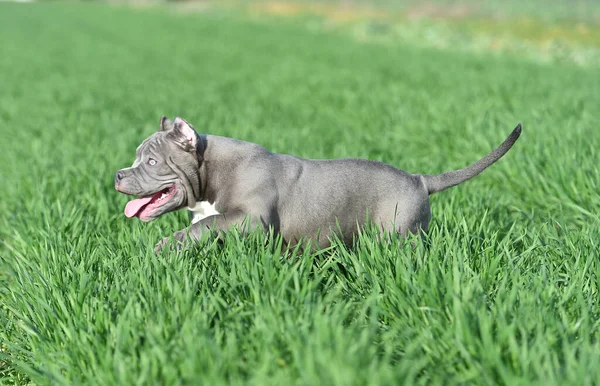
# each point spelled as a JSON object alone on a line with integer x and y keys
{"x": 165, "y": 173}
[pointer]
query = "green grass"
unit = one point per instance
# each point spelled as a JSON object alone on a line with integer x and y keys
{"x": 504, "y": 291}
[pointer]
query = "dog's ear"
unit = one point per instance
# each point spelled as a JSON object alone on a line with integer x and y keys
{"x": 165, "y": 124}
{"x": 184, "y": 134}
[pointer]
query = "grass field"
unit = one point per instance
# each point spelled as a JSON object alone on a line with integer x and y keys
{"x": 504, "y": 290}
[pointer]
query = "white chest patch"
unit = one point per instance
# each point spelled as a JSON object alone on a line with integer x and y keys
{"x": 202, "y": 210}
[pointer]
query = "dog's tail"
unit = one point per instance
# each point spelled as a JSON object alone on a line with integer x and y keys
{"x": 438, "y": 182}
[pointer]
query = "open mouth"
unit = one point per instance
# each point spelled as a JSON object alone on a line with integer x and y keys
{"x": 143, "y": 207}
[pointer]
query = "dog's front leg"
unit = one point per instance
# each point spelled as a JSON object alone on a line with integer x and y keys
{"x": 216, "y": 223}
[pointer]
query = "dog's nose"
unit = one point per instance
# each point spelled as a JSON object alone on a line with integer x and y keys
{"x": 119, "y": 176}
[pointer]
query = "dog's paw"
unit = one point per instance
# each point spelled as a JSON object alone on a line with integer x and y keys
{"x": 174, "y": 243}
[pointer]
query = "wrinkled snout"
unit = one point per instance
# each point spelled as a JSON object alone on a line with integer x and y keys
{"x": 119, "y": 176}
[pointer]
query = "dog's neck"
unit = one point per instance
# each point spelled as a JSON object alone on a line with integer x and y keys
{"x": 202, "y": 170}
{"x": 221, "y": 159}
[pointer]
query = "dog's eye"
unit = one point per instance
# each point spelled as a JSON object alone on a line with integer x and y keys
{"x": 151, "y": 162}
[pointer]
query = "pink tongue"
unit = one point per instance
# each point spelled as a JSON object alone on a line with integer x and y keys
{"x": 134, "y": 206}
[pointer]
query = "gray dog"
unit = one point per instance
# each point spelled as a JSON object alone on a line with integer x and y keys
{"x": 239, "y": 183}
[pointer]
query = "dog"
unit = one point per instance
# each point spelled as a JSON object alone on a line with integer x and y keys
{"x": 232, "y": 183}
